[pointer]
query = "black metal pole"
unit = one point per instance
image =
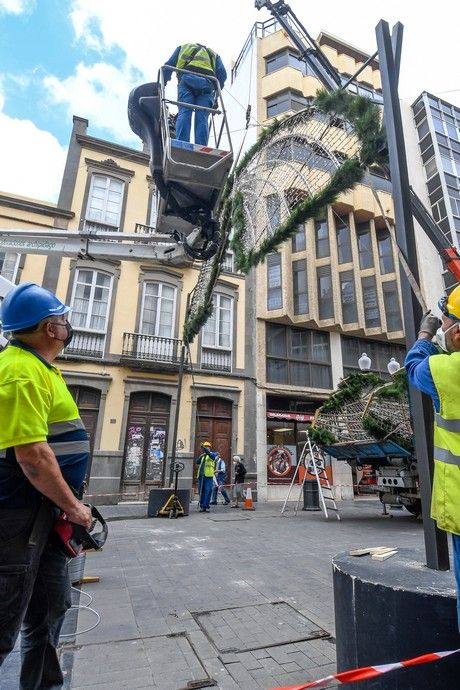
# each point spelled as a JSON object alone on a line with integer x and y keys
{"x": 389, "y": 49}
{"x": 176, "y": 416}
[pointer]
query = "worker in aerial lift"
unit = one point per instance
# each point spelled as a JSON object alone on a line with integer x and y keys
{"x": 435, "y": 370}
{"x": 44, "y": 454}
{"x": 195, "y": 88}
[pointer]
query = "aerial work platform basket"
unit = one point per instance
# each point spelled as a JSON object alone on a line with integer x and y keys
{"x": 188, "y": 177}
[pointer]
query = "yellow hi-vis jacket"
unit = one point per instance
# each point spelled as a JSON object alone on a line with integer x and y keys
{"x": 203, "y": 60}
{"x": 209, "y": 466}
{"x": 445, "y": 504}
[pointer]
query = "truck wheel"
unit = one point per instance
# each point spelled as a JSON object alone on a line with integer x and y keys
{"x": 415, "y": 507}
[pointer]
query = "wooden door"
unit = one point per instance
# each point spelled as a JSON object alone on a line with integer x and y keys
{"x": 88, "y": 402}
{"x": 214, "y": 424}
{"x": 144, "y": 459}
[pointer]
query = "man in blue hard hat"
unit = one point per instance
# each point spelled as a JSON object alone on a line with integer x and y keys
{"x": 194, "y": 87}
{"x": 44, "y": 452}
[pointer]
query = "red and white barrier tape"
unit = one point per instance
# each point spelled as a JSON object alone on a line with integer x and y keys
{"x": 367, "y": 672}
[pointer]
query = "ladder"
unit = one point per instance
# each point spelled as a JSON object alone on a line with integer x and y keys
{"x": 313, "y": 461}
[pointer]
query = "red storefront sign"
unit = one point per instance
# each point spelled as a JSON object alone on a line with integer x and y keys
{"x": 289, "y": 416}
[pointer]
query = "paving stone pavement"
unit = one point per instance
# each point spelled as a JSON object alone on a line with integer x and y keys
{"x": 225, "y": 599}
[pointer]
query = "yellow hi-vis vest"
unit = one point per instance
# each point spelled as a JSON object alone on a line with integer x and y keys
{"x": 209, "y": 466}
{"x": 203, "y": 60}
{"x": 445, "y": 504}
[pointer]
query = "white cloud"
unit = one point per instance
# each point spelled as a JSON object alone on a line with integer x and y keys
{"x": 16, "y": 6}
{"x": 32, "y": 159}
{"x": 99, "y": 93}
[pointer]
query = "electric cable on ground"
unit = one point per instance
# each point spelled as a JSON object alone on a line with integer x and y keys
{"x": 83, "y": 607}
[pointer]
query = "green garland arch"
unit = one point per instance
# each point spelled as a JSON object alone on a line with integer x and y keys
{"x": 366, "y": 120}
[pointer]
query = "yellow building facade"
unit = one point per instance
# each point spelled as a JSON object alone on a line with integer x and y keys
{"x": 123, "y": 363}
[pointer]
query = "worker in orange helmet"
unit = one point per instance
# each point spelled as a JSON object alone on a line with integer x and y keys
{"x": 434, "y": 368}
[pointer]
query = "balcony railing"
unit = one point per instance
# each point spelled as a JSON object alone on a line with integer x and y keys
{"x": 95, "y": 228}
{"x": 86, "y": 344}
{"x": 216, "y": 360}
{"x": 151, "y": 348}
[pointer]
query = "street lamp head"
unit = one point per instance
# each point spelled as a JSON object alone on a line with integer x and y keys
{"x": 393, "y": 366}
{"x": 364, "y": 362}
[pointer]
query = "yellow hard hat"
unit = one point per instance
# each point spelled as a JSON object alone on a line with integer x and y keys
{"x": 206, "y": 443}
{"x": 450, "y": 304}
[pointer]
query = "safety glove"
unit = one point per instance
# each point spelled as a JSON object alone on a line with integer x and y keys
{"x": 429, "y": 324}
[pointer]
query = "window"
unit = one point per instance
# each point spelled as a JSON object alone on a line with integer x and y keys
{"x": 379, "y": 352}
{"x": 385, "y": 252}
{"x": 298, "y": 357}
{"x": 299, "y": 242}
{"x": 363, "y": 231}
{"x": 370, "y": 301}
{"x": 299, "y": 286}
{"x": 348, "y": 297}
{"x": 391, "y": 304}
{"x": 273, "y": 212}
{"x": 343, "y": 240}
{"x": 322, "y": 239}
{"x": 9, "y": 263}
{"x": 217, "y": 342}
{"x": 158, "y": 310}
{"x": 286, "y": 100}
{"x": 284, "y": 58}
{"x": 105, "y": 200}
{"x": 325, "y": 302}
{"x": 274, "y": 288}
{"x": 90, "y": 305}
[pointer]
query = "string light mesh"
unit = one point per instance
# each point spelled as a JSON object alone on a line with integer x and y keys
{"x": 294, "y": 163}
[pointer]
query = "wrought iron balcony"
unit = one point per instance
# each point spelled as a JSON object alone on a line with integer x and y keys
{"x": 150, "y": 351}
{"x": 86, "y": 344}
{"x": 216, "y": 360}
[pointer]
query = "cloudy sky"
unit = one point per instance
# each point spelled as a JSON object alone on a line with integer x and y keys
{"x": 60, "y": 58}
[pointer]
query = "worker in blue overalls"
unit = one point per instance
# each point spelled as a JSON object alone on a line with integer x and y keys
{"x": 206, "y": 470}
{"x": 195, "y": 89}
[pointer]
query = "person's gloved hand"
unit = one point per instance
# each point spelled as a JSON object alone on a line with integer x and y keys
{"x": 429, "y": 324}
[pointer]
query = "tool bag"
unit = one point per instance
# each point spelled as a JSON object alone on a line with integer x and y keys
{"x": 72, "y": 539}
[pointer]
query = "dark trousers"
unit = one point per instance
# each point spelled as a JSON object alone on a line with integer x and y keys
{"x": 35, "y": 595}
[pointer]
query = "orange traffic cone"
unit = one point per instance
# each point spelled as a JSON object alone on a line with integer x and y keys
{"x": 248, "y": 502}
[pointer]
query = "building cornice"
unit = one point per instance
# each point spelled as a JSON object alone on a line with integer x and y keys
{"x": 35, "y": 207}
{"x": 109, "y": 147}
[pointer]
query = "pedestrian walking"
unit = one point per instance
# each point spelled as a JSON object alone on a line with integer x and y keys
{"x": 206, "y": 470}
{"x": 434, "y": 368}
{"x": 240, "y": 473}
{"x": 195, "y": 88}
{"x": 219, "y": 484}
{"x": 44, "y": 453}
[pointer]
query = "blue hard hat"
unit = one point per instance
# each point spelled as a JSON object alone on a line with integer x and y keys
{"x": 27, "y": 304}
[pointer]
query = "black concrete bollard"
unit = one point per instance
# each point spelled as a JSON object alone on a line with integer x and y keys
{"x": 391, "y": 611}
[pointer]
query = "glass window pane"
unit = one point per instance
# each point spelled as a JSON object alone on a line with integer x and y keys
{"x": 322, "y": 239}
{"x": 274, "y": 285}
{"x": 370, "y": 301}
{"x": 366, "y": 259}
{"x": 299, "y": 242}
{"x": 276, "y": 340}
{"x": 277, "y": 371}
{"x": 391, "y": 303}
{"x": 325, "y": 301}
{"x": 300, "y": 288}
{"x": 343, "y": 240}
{"x": 348, "y": 297}
{"x": 385, "y": 252}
